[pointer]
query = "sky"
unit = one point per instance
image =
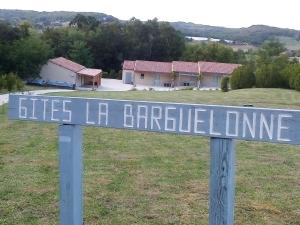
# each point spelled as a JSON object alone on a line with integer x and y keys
{"x": 227, "y": 13}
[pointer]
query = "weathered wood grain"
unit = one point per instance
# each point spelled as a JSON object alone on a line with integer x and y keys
{"x": 70, "y": 163}
{"x": 222, "y": 182}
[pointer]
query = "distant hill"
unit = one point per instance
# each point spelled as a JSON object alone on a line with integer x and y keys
{"x": 48, "y": 19}
{"x": 255, "y": 34}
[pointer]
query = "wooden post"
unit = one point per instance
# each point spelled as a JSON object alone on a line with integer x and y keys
{"x": 70, "y": 157}
{"x": 222, "y": 181}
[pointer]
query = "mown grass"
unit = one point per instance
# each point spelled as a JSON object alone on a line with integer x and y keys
{"x": 25, "y": 88}
{"x": 148, "y": 178}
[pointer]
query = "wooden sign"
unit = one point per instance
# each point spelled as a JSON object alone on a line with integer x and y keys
{"x": 222, "y": 124}
{"x": 247, "y": 123}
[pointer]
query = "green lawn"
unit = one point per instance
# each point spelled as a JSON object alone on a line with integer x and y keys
{"x": 149, "y": 178}
{"x": 27, "y": 88}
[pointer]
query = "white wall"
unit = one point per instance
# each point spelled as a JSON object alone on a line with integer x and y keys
{"x": 53, "y": 72}
{"x": 211, "y": 80}
{"x": 124, "y": 75}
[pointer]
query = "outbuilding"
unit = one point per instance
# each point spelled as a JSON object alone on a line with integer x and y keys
{"x": 66, "y": 73}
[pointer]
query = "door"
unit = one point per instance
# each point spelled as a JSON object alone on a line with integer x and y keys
{"x": 128, "y": 78}
{"x": 157, "y": 80}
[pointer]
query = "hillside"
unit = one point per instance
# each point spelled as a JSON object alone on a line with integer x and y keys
{"x": 46, "y": 19}
{"x": 255, "y": 34}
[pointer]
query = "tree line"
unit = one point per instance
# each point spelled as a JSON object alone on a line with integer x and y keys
{"x": 268, "y": 68}
{"x": 101, "y": 45}
{"x": 106, "y": 45}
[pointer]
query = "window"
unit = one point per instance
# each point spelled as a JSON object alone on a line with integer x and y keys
{"x": 142, "y": 76}
{"x": 167, "y": 84}
{"x": 186, "y": 84}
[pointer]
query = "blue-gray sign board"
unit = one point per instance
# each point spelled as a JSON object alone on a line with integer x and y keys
{"x": 247, "y": 123}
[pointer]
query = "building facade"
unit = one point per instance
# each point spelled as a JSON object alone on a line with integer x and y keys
{"x": 64, "y": 72}
{"x": 176, "y": 74}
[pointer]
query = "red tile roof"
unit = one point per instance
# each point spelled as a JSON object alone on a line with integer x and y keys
{"x": 67, "y": 64}
{"x": 215, "y": 67}
{"x": 90, "y": 72}
{"x": 185, "y": 67}
{"x": 152, "y": 66}
{"x": 180, "y": 66}
{"x": 128, "y": 65}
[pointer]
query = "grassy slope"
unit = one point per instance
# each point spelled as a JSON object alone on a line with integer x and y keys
{"x": 147, "y": 178}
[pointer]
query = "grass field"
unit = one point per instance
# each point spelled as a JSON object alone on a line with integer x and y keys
{"x": 26, "y": 88}
{"x": 148, "y": 178}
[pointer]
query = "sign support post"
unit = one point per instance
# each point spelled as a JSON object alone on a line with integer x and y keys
{"x": 70, "y": 163}
{"x": 222, "y": 181}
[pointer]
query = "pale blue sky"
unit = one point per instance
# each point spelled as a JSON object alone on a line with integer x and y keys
{"x": 229, "y": 13}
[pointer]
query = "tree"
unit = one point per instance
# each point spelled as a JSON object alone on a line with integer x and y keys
{"x": 80, "y": 53}
{"x": 215, "y": 52}
{"x": 28, "y": 55}
{"x": 269, "y": 73}
{"x": 272, "y": 48}
{"x": 62, "y": 40}
{"x": 224, "y": 84}
{"x": 85, "y": 23}
{"x": 290, "y": 73}
{"x": 296, "y": 82}
{"x": 243, "y": 77}
{"x": 107, "y": 46}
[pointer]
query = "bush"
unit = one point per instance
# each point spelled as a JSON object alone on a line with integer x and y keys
{"x": 290, "y": 73}
{"x": 243, "y": 77}
{"x": 297, "y": 82}
{"x": 104, "y": 74}
{"x": 224, "y": 84}
{"x": 270, "y": 73}
{"x": 11, "y": 82}
{"x": 19, "y": 84}
{"x": 2, "y": 82}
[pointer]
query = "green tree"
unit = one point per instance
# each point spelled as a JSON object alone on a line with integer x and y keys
{"x": 29, "y": 54}
{"x": 62, "y": 40}
{"x": 80, "y": 53}
{"x": 215, "y": 52}
{"x": 224, "y": 84}
{"x": 85, "y": 22}
{"x": 272, "y": 48}
{"x": 243, "y": 77}
{"x": 290, "y": 73}
{"x": 296, "y": 82}
{"x": 269, "y": 74}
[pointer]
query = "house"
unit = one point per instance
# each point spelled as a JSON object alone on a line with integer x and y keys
{"x": 63, "y": 72}
{"x": 176, "y": 73}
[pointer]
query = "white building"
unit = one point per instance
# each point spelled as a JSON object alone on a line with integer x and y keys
{"x": 63, "y": 72}
{"x": 177, "y": 73}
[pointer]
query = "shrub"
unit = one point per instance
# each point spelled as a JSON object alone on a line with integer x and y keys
{"x": 243, "y": 77}
{"x": 224, "y": 84}
{"x": 2, "y": 82}
{"x": 297, "y": 82}
{"x": 290, "y": 73}
{"x": 270, "y": 73}
{"x": 19, "y": 84}
{"x": 11, "y": 82}
{"x": 104, "y": 74}
{"x": 112, "y": 73}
